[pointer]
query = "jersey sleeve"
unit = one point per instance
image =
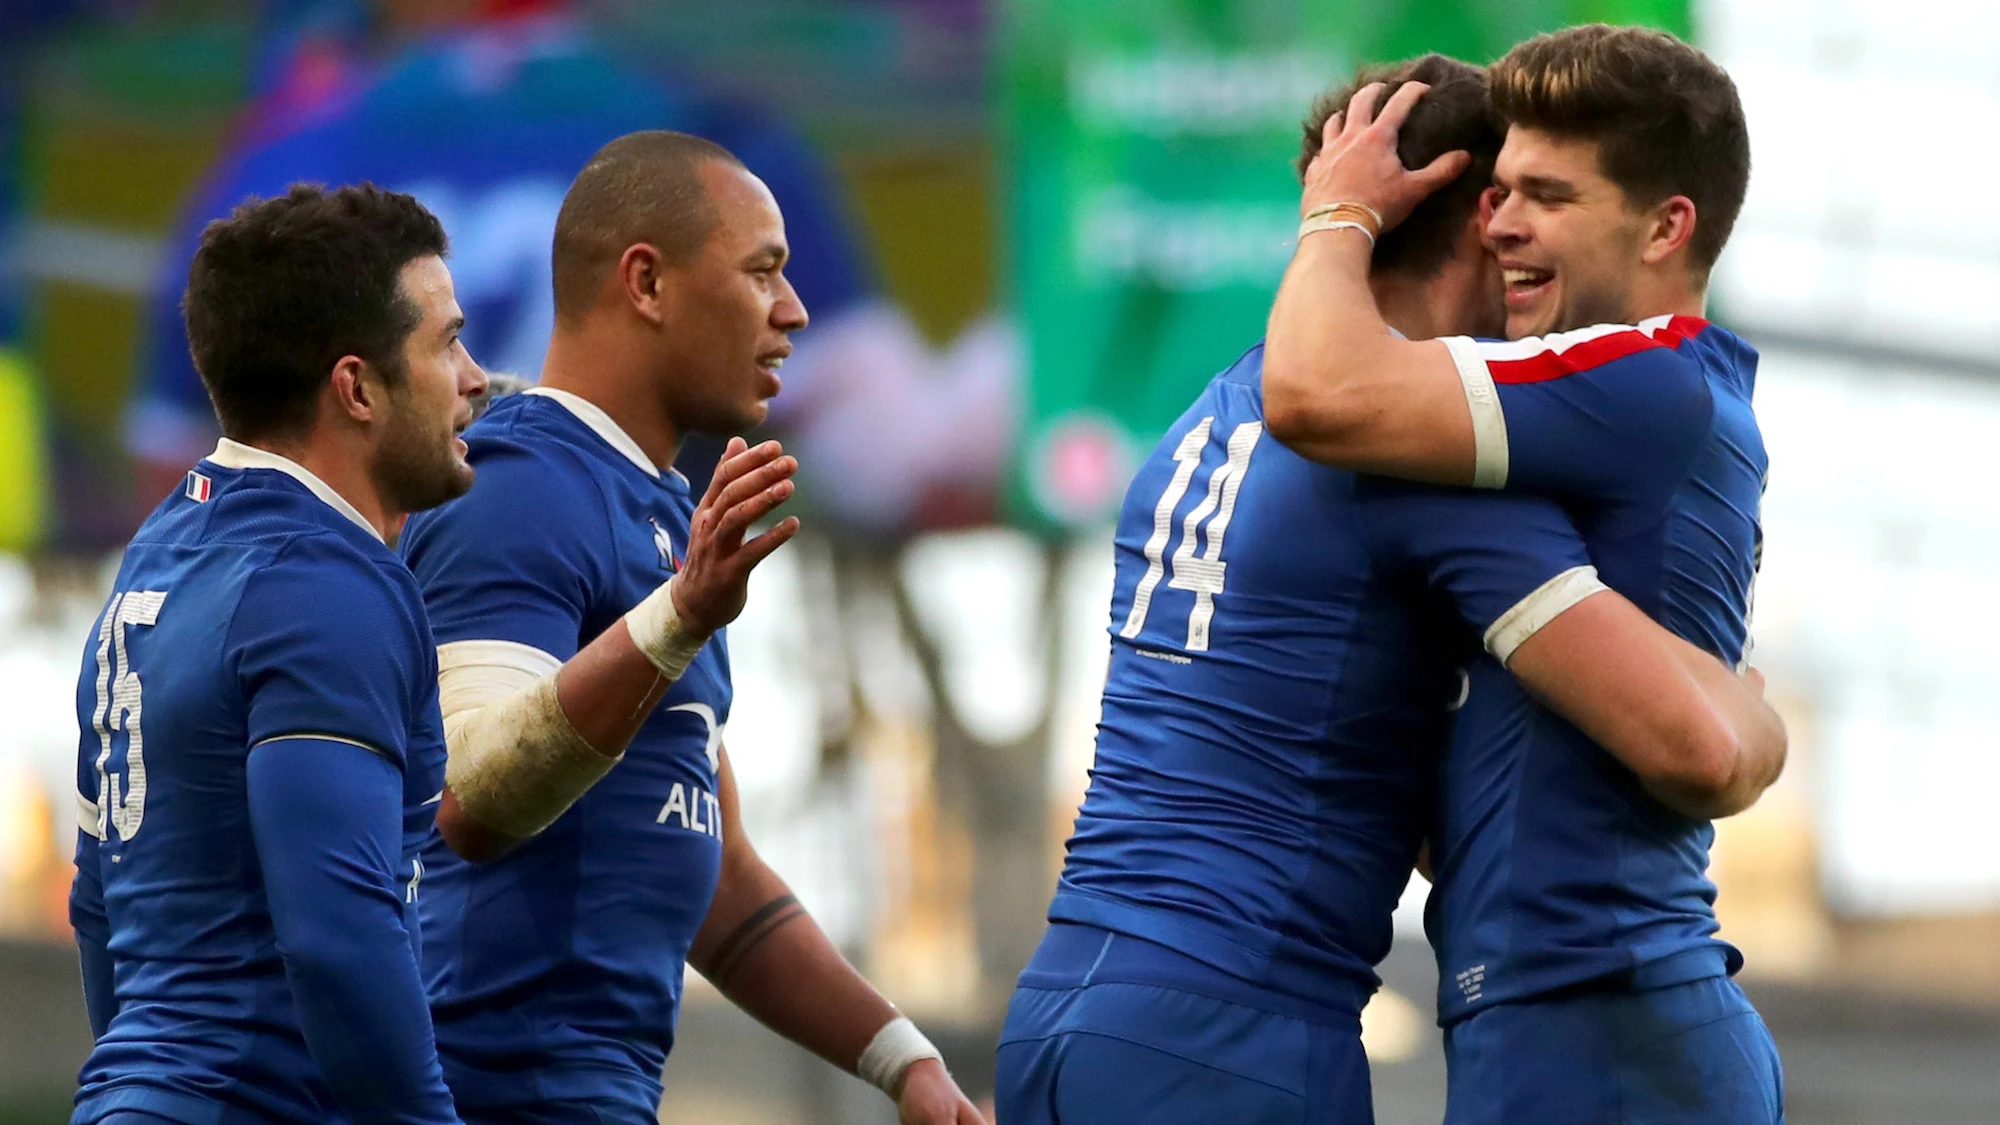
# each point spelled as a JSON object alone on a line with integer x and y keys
{"x": 1608, "y": 412}
{"x": 329, "y": 644}
{"x": 521, "y": 559}
{"x": 1507, "y": 564}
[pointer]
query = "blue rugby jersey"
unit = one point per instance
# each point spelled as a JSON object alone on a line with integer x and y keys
{"x": 1554, "y": 867}
{"x": 1278, "y": 692}
{"x": 556, "y": 971}
{"x": 259, "y": 638}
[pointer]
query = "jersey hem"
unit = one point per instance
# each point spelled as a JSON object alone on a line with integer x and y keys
{"x": 1335, "y": 990}
{"x": 1713, "y": 958}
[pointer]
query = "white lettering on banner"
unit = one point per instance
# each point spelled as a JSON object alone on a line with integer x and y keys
{"x": 1175, "y": 91}
{"x": 693, "y": 808}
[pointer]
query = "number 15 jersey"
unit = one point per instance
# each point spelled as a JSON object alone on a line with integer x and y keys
{"x": 1279, "y": 691}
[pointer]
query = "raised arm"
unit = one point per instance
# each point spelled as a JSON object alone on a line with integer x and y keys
{"x": 1339, "y": 387}
{"x": 1606, "y": 411}
{"x": 530, "y": 733}
{"x": 761, "y": 949}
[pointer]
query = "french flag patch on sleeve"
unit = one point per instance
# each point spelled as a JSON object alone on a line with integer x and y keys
{"x": 197, "y": 487}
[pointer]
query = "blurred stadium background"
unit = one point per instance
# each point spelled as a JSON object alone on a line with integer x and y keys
{"x": 1040, "y": 225}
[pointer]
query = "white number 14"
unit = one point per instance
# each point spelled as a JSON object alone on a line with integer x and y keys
{"x": 1203, "y": 574}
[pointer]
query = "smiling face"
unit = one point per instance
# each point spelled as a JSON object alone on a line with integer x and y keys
{"x": 1569, "y": 241}
{"x": 735, "y": 310}
{"x": 419, "y": 459}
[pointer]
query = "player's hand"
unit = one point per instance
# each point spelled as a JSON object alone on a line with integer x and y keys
{"x": 930, "y": 1097}
{"x": 748, "y": 485}
{"x": 1357, "y": 161}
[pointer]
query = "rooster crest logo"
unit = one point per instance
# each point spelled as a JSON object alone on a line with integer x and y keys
{"x": 665, "y": 543}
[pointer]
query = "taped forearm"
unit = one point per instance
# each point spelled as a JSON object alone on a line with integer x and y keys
{"x": 517, "y": 764}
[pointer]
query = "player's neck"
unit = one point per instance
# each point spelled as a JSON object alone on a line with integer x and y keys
{"x": 1663, "y": 294}
{"x": 1410, "y": 307}
{"x": 617, "y": 387}
{"x": 342, "y": 466}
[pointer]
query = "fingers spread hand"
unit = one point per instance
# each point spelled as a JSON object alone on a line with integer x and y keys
{"x": 1399, "y": 105}
{"x": 737, "y": 519}
{"x": 733, "y": 448}
{"x": 1443, "y": 170}
{"x": 755, "y": 481}
{"x": 741, "y": 462}
{"x": 760, "y": 548}
{"x": 1361, "y": 111}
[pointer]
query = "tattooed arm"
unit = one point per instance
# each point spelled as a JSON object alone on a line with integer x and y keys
{"x": 762, "y": 950}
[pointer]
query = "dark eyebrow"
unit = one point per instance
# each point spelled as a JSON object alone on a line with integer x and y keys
{"x": 773, "y": 253}
{"x": 457, "y": 323}
{"x": 1547, "y": 186}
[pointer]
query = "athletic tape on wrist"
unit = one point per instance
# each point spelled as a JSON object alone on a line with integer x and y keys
{"x": 656, "y": 628}
{"x": 891, "y": 1052}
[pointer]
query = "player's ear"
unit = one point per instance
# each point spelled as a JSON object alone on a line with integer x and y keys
{"x": 357, "y": 389}
{"x": 642, "y": 276}
{"x": 1672, "y": 226}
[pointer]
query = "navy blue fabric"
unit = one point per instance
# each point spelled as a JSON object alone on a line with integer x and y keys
{"x": 555, "y": 972}
{"x": 1554, "y": 866}
{"x": 1689, "y": 1054}
{"x": 1277, "y": 697}
{"x": 275, "y": 621}
{"x": 1085, "y": 1043}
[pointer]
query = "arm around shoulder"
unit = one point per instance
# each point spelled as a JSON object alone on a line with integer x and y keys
{"x": 1700, "y": 737}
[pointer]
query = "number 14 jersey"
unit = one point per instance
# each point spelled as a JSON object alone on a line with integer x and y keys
{"x": 1282, "y": 673}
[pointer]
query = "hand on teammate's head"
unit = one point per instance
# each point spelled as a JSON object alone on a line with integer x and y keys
{"x": 748, "y": 485}
{"x": 1358, "y": 160}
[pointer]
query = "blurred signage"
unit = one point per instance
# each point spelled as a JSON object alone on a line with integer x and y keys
{"x": 1152, "y": 203}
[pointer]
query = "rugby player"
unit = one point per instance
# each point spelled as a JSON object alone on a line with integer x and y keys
{"x": 1281, "y": 672}
{"x": 1581, "y": 978}
{"x": 247, "y": 860}
{"x": 590, "y": 837}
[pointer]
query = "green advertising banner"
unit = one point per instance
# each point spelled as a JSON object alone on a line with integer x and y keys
{"x": 1152, "y": 202}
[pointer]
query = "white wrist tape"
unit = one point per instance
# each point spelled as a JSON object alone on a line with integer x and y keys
{"x": 891, "y": 1052}
{"x": 656, "y": 628}
{"x": 517, "y": 764}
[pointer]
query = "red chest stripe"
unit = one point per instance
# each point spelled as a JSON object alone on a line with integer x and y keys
{"x": 1552, "y": 364}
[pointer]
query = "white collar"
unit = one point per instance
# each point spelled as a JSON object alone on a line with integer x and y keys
{"x": 1396, "y": 334}
{"x": 235, "y": 455}
{"x": 600, "y": 423}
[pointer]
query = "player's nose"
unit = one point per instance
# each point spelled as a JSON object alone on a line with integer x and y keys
{"x": 788, "y": 313}
{"x": 1500, "y": 219}
{"x": 473, "y": 382}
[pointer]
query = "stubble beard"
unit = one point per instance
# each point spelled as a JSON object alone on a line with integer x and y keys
{"x": 417, "y": 465}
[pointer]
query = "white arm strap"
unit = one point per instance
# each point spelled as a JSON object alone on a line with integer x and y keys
{"x": 515, "y": 762}
{"x": 891, "y": 1052}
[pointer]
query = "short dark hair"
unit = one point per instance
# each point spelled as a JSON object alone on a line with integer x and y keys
{"x": 1455, "y": 113}
{"x": 1666, "y": 118}
{"x": 284, "y": 287}
{"x": 642, "y": 187}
